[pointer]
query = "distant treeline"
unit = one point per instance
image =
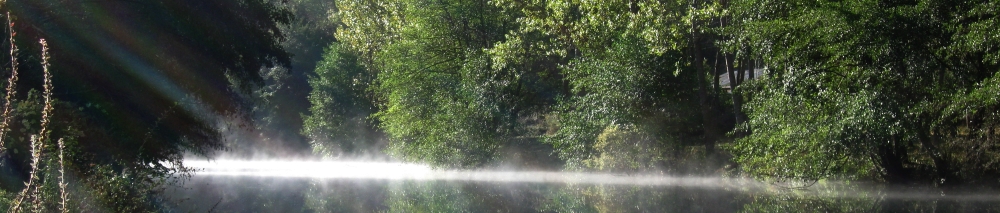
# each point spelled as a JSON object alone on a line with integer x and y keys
{"x": 893, "y": 91}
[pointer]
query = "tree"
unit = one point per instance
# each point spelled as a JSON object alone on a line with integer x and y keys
{"x": 631, "y": 63}
{"x": 862, "y": 89}
{"x": 441, "y": 100}
{"x": 340, "y": 121}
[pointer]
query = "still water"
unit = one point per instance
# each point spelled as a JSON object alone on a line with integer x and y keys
{"x": 314, "y": 186}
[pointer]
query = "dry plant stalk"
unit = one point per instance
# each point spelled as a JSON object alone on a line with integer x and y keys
{"x": 35, "y": 196}
{"x": 47, "y": 109}
{"x": 38, "y": 146}
{"x": 8, "y": 102}
{"x": 11, "y": 85}
{"x": 36, "y": 155}
{"x": 63, "y": 196}
{"x": 47, "y": 94}
{"x": 46, "y": 114}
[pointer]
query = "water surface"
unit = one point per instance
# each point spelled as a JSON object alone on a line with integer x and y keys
{"x": 334, "y": 186}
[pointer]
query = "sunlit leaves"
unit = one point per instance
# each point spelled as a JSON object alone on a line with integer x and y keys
{"x": 799, "y": 137}
{"x": 621, "y": 148}
{"x": 620, "y": 60}
{"x": 441, "y": 100}
{"x": 338, "y": 123}
{"x": 850, "y": 80}
{"x": 368, "y": 25}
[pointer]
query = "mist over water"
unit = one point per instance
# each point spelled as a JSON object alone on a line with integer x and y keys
{"x": 388, "y": 172}
{"x": 365, "y": 186}
{"x": 417, "y": 172}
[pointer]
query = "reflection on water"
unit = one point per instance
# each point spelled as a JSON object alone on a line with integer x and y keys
{"x": 285, "y": 188}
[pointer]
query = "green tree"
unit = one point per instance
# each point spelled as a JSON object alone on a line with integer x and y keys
{"x": 862, "y": 89}
{"x": 441, "y": 100}
{"x": 339, "y": 122}
{"x": 632, "y": 63}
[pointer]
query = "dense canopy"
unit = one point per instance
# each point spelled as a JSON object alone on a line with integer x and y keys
{"x": 893, "y": 91}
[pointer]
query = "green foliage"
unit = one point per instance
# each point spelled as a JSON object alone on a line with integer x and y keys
{"x": 6, "y": 199}
{"x": 863, "y": 89}
{"x": 127, "y": 191}
{"x": 312, "y": 27}
{"x": 811, "y": 138}
{"x": 440, "y": 98}
{"x": 338, "y": 122}
{"x": 897, "y": 91}
{"x": 442, "y": 118}
{"x": 626, "y": 86}
{"x": 623, "y": 63}
{"x": 458, "y": 81}
{"x": 92, "y": 187}
{"x": 623, "y": 149}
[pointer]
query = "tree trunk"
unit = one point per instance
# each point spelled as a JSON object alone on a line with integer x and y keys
{"x": 753, "y": 68}
{"x": 737, "y": 97}
{"x": 715, "y": 73}
{"x": 944, "y": 175}
{"x": 891, "y": 160}
{"x": 708, "y": 122}
{"x": 741, "y": 71}
{"x": 732, "y": 88}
